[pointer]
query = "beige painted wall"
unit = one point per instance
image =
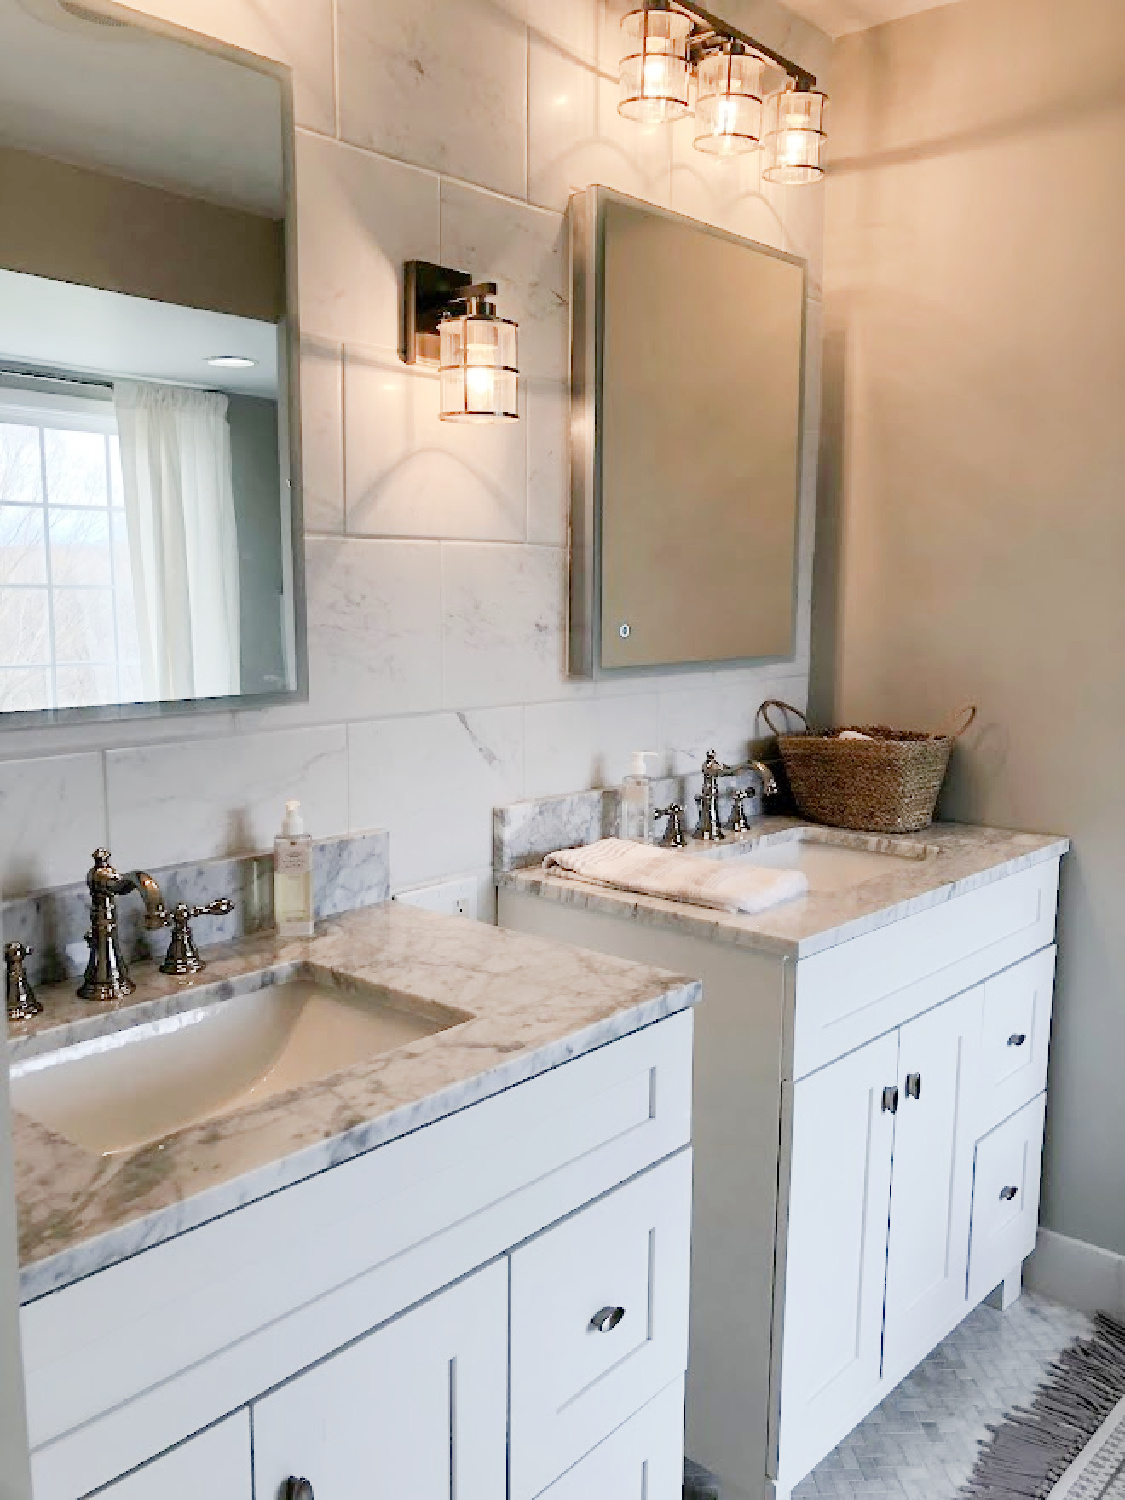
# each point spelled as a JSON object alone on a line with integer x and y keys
{"x": 972, "y": 533}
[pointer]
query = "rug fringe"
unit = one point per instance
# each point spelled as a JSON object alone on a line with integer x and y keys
{"x": 1026, "y": 1454}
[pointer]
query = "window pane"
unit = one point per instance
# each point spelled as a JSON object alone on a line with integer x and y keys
{"x": 76, "y": 687}
{"x": 23, "y": 688}
{"x": 24, "y": 637}
{"x": 83, "y": 625}
{"x": 79, "y": 546}
{"x": 22, "y": 556}
{"x": 75, "y": 468}
{"x": 116, "y": 487}
{"x": 20, "y": 474}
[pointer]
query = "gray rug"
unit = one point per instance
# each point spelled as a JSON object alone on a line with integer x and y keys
{"x": 1069, "y": 1442}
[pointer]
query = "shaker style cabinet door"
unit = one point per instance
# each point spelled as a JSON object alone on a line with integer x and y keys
{"x": 932, "y": 1183}
{"x": 836, "y": 1246}
{"x": 417, "y": 1408}
{"x": 215, "y": 1464}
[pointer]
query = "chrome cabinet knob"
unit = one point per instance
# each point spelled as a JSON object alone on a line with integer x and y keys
{"x": 1008, "y": 1193}
{"x": 914, "y": 1085}
{"x": 606, "y": 1319}
{"x": 890, "y": 1099}
{"x": 297, "y": 1489}
{"x": 1017, "y": 1039}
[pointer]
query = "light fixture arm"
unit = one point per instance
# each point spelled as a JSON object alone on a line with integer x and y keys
{"x": 712, "y": 30}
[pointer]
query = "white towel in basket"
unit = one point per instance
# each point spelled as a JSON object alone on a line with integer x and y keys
{"x": 729, "y": 885}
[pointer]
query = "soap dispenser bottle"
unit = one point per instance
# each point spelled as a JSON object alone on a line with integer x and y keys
{"x": 292, "y": 876}
{"x": 637, "y": 800}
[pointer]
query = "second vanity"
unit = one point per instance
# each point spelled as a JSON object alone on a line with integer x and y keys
{"x": 446, "y": 1254}
{"x": 870, "y": 1070}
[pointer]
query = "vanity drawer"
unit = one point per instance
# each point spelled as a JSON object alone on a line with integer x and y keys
{"x": 644, "y": 1460}
{"x": 622, "y": 1263}
{"x": 1005, "y": 1198}
{"x": 1015, "y": 1035}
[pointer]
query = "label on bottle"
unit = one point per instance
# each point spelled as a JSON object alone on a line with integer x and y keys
{"x": 291, "y": 857}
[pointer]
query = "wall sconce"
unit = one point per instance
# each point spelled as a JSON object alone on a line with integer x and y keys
{"x": 654, "y": 71}
{"x": 794, "y": 136}
{"x": 450, "y": 323}
{"x": 667, "y": 42}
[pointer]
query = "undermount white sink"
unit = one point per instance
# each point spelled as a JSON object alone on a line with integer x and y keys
{"x": 115, "y": 1092}
{"x": 832, "y": 860}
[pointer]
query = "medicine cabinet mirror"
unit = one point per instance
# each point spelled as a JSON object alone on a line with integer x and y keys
{"x": 150, "y": 519}
{"x": 687, "y": 392}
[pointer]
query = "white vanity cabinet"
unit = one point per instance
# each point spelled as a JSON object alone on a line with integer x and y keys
{"x": 472, "y": 1308}
{"x": 868, "y": 1128}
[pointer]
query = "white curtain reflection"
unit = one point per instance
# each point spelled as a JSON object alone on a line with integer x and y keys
{"x": 183, "y": 538}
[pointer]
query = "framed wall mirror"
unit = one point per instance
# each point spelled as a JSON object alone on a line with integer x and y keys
{"x": 150, "y": 516}
{"x": 687, "y": 379}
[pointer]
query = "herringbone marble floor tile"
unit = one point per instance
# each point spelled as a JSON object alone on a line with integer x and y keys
{"x": 921, "y": 1443}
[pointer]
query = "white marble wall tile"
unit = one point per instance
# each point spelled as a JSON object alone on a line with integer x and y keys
{"x": 503, "y": 610}
{"x": 411, "y": 474}
{"x": 172, "y": 803}
{"x": 359, "y": 217}
{"x": 322, "y": 434}
{"x": 297, "y": 32}
{"x": 441, "y": 85}
{"x": 587, "y": 742}
{"x": 525, "y": 251}
{"x": 433, "y": 782}
{"x": 800, "y": 211}
{"x": 572, "y": 25}
{"x": 720, "y": 714}
{"x": 52, "y": 815}
{"x": 576, "y": 136}
{"x": 726, "y": 191}
{"x": 548, "y": 462}
{"x": 374, "y": 627}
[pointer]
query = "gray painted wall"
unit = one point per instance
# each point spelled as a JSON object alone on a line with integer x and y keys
{"x": 972, "y": 527}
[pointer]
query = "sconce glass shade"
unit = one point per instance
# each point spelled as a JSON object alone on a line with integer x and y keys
{"x": 794, "y": 139}
{"x": 728, "y": 103}
{"x": 654, "y": 69}
{"x": 479, "y": 368}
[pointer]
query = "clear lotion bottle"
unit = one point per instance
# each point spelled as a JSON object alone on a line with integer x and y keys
{"x": 637, "y": 799}
{"x": 292, "y": 876}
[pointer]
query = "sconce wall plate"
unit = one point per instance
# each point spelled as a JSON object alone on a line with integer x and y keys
{"x": 427, "y": 292}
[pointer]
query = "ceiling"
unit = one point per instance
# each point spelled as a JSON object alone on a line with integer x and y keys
{"x": 141, "y": 105}
{"x": 56, "y": 325}
{"x": 839, "y": 16}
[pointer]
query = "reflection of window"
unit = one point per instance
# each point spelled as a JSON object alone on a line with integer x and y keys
{"x": 67, "y": 623}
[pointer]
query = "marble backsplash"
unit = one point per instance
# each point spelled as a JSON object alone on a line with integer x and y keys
{"x": 523, "y": 832}
{"x": 349, "y": 871}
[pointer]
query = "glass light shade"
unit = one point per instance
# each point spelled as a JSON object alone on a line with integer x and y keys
{"x": 794, "y": 139}
{"x": 654, "y": 69}
{"x": 728, "y": 104}
{"x": 479, "y": 369}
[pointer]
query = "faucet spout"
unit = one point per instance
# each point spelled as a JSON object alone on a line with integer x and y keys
{"x": 156, "y": 914}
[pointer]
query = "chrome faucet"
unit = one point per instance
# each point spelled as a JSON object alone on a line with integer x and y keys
{"x": 710, "y": 824}
{"x": 107, "y": 974}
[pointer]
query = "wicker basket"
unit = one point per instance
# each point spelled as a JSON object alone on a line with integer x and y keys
{"x": 887, "y": 782}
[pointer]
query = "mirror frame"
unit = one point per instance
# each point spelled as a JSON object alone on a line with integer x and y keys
{"x": 586, "y": 219}
{"x": 289, "y": 414}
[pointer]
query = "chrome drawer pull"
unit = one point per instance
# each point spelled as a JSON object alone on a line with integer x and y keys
{"x": 297, "y": 1489}
{"x": 914, "y": 1085}
{"x": 890, "y": 1099}
{"x": 1008, "y": 1193}
{"x": 1017, "y": 1039}
{"x": 606, "y": 1319}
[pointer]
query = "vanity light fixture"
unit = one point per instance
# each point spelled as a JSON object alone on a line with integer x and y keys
{"x": 231, "y": 362}
{"x": 667, "y": 43}
{"x": 450, "y": 321}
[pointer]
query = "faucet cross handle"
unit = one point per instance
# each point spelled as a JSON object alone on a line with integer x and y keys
{"x": 674, "y": 832}
{"x": 22, "y": 1004}
{"x": 738, "y": 800}
{"x": 183, "y": 956}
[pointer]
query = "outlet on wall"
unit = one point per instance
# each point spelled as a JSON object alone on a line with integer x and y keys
{"x": 454, "y": 898}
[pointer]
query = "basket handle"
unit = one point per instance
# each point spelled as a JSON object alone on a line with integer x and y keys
{"x": 962, "y": 719}
{"x": 787, "y": 708}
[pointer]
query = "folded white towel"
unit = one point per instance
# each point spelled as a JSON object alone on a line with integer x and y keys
{"x": 729, "y": 885}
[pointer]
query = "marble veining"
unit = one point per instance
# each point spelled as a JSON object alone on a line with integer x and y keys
{"x": 533, "y": 1005}
{"x": 349, "y": 871}
{"x": 959, "y": 859}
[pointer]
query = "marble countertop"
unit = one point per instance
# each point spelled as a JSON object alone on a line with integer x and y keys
{"x": 531, "y": 1005}
{"x": 942, "y": 862}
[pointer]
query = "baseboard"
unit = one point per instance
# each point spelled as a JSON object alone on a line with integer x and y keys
{"x": 1077, "y": 1274}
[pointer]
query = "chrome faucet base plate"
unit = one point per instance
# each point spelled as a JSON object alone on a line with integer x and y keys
{"x": 103, "y": 993}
